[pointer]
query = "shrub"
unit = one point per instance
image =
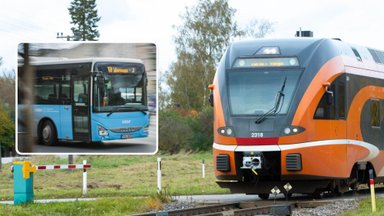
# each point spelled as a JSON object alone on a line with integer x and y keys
{"x": 174, "y": 131}
{"x": 186, "y": 130}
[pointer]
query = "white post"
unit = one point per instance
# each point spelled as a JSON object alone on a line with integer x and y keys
{"x": 84, "y": 178}
{"x": 158, "y": 174}
{"x": 203, "y": 168}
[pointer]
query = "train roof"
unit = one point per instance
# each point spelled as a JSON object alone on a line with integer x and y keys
{"x": 54, "y": 61}
{"x": 305, "y": 49}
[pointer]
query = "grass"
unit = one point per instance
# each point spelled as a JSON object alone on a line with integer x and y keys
{"x": 110, "y": 207}
{"x": 366, "y": 209}
{"x": 119, "y": 176}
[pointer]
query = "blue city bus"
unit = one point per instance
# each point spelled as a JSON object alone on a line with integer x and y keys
{"x": 89, "y": 100}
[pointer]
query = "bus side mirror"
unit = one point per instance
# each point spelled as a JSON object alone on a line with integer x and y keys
{"x": 211, "y": 87}
{"x": 328, "y": 93}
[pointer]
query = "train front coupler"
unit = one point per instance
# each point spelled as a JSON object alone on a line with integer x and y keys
{"x": 253, "y": 162}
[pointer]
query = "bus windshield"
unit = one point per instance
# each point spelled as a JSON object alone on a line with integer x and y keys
{"x": 255, "y": 91}
{"x": 119, "y": 87}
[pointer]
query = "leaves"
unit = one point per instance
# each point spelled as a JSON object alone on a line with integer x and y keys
{"x": 7, "y": 130}
{"x": 7, "y": 109}
{"x": 84, "y": 18}
{"x": 207, "y": 30}
{"x": 200, "y": 42}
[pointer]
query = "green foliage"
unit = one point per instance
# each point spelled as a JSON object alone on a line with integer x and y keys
{"x": 181, "y": 174}
{"x": 174, "y": 131}
{"x": 206, "y": 31}
{"x": 110, "y": 206}
{"x": 200, "y": 42}
{"x": 365, "y": 208}
{"x": 163, "y": 196}
{"x": 189, "y": 131}
{"x": 84, "y": 19}
{"x": 7, "y": 92}
{"x": 202, "y": 127}
{"x": 7, "y": 129}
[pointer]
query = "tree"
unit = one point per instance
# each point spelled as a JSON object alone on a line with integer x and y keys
{"x": 7, "y": 91}
{"x": 7, "y": 130}
{"x": 207, "y": 30}
{"x": 84, "y": 18}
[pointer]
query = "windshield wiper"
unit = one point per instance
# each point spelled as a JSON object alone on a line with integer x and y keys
{"x": 128, "y": 109}
{"x": 277, "y": 107}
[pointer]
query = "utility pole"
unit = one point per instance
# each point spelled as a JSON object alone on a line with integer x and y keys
{"x": 60, "y": 35}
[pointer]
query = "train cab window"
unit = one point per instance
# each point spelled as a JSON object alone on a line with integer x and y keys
{"x": 325, "y": 109}
{"x": 333, "y": 108}
{"x": 375, "y": 113}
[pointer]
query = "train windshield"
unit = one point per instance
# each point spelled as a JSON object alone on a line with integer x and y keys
{"x": 255, "y": 91}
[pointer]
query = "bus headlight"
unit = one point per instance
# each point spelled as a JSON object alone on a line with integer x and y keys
{"x": 102, "y": 131}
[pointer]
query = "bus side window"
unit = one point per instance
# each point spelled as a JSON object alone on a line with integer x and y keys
{"x": 65, "y": 89}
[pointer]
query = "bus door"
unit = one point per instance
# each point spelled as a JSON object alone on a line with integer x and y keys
{"x": 80, "y": 108}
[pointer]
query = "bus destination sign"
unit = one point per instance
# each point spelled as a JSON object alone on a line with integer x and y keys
{"x": 121, "y": 70}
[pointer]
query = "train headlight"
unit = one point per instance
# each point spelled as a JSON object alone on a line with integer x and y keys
{"x": 226, "y": 131}
{"x": 292, "y": 130}
{"x": 229, "y": 131}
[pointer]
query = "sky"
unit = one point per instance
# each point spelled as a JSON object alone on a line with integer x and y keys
{"x": 154, "y": 21}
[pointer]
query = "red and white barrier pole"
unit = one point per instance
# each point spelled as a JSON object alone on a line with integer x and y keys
{"x": 66, "y": 166}
{"x": 83, "y": 166}
{"x": 372, "y": 187}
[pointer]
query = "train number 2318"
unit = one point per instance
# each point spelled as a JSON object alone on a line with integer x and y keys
{"x": 257, "y": 134}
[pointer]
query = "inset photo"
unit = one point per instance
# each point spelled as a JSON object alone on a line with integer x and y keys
{"x": 86, "y": 98}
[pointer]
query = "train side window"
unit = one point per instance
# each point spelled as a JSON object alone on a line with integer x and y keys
{"x": 375, "y": 113}
{"x": 340, "y": 101}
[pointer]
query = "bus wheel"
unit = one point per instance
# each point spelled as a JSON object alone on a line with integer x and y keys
{"x": 48, "y": 133}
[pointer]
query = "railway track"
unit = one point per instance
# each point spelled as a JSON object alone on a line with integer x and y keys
{"x": 262, "y": 207}
{"x": 242, "y": 209}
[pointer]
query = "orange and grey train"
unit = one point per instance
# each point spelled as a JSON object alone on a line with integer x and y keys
{"x": 303, "y": 111}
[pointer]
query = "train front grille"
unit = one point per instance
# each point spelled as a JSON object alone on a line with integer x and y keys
{"x": 293, "y": 162}
{"x": 222, "y": 163}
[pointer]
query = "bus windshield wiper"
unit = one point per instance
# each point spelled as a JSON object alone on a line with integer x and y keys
{"x": 129, "y": 109}
{"x": 277, "y": 107}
